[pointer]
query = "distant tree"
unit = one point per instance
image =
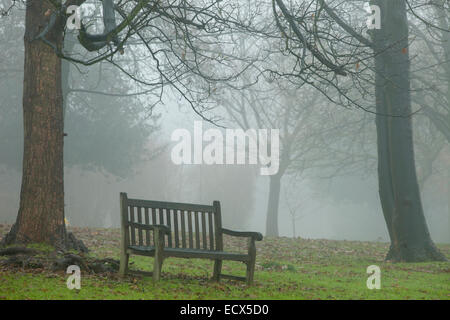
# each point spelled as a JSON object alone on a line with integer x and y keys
{"x": 431, "y": 77}
{"x": 334, "y": 46}
{"x": 313, "y": 134}
{"x": 312, "y": 137}
{"x": 295, "y": 205}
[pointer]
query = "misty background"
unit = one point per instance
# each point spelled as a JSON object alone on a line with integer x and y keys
{"x": 121, "y": 143}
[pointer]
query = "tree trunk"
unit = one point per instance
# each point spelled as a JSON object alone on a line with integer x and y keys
{"x": 293, "y": 228}
{"x": 448, "y": 202}
{"x": 398, "y": 185}
{"x": 272, "y": 206}
{"x": 41, "y": 211}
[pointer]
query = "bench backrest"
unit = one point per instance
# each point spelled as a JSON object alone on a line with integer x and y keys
{"x": 193, "y": 226}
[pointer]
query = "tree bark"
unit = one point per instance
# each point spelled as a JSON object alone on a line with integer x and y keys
{"x": 294, "y": 234}
{"x": 272, "y": 206}
{"x": 398, "y": 185}
{"x": 41, "y": 212}
{"x": 448, "y": 202}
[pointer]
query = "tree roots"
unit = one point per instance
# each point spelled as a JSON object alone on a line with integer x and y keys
{"x": 427, "y": 252}
{"x": 28, "y": 258}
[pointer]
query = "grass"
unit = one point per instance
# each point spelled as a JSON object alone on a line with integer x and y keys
{"x": 286, "y": 269}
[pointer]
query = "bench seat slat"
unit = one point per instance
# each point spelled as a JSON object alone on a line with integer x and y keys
{"x": 205, "y": 245}
{"x": 191, "y": 240}
{"x": 154, "y": 216}
{"x": 161, "y": 216}
{"x": 197, "y": 231}
{"x": 189, "y": 253}
{"x": 147, "y": 221}
{"x": 133, "y": 235}
{"x": 169, "y": 223}
{"x": 139, "y": 220}
{"x": 183, "y": 229}
{"x": 211, "y": 230}
{"x": 175, "y": 226}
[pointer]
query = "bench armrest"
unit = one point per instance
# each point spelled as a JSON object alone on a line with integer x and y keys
{"x": 161, "y": 227}
{"x": 248, "y": 234}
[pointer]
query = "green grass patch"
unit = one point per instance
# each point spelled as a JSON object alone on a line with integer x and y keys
{"x": 286, "y": 269}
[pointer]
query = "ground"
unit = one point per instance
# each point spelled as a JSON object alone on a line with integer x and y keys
{"x": 286, "y": 269}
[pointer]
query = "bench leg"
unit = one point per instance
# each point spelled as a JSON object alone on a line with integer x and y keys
{"x": 157, "y": 267}
{"x": 159, "y": 254}
{"x": 124, "y": 264}
{"x": 217, "y": 270}
{"x": 250, "y": 272}
{"x": 252, "y": 262}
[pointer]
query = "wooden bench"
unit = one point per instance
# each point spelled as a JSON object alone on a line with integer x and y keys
{"x": 179, "y": 230}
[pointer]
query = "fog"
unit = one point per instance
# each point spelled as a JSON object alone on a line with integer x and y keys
{"x": 344, "y": 208}
{"x": 122, "y": 143}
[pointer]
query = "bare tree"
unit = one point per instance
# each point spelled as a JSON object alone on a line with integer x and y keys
{"x": 175, "y": 39}
{"x": 398, "y": 185}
